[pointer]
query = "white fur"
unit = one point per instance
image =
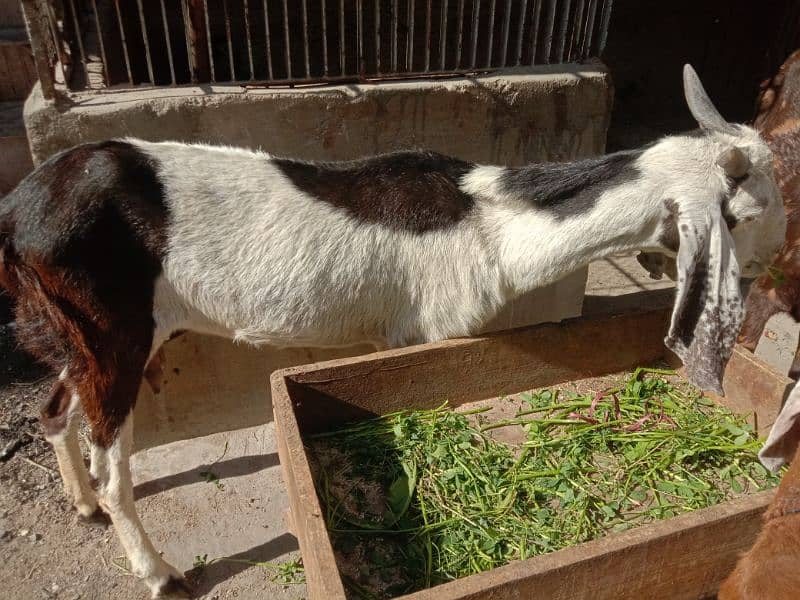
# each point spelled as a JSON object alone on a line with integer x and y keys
{"x": 111, "y": 469}
{"x": 253, "y": 258}
{"x": 73, "y": 471}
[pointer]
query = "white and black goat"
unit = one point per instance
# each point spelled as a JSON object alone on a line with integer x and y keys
{"x": 109, "y": 248}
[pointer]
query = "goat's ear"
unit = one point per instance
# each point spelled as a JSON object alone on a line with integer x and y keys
{"x": 708, "y": 303}
{"x": 700, "y": 105}
{"x": 784, "y": 436}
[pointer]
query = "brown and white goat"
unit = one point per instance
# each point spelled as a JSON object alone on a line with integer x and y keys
{"x": 778, "y": 120}
{"x": 109, "y": 248}
{"x": 769, "y": 570}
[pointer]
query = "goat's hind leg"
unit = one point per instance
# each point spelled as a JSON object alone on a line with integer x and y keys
{"x": 108, "y": 394}
{"x": 60, "y": 417}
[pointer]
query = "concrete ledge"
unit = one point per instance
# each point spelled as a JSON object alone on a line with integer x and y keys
{"x": 511, "y": 117}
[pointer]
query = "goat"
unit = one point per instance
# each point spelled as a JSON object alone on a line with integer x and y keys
{"x": 778, "y": 120}
{"x": 768, "y": 571}
{"x": 110, "y": 247}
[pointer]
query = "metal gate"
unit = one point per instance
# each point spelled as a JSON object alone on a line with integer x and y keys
{"x": 97, "y": 44}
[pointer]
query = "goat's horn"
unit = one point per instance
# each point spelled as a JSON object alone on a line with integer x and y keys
{"x": 700, "y": 105}
{"x": 734, "y": 162}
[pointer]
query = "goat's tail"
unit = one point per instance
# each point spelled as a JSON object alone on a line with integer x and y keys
{"x": 46, "y": 323}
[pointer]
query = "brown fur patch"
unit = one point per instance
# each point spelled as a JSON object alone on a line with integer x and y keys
{"x": 106, "y": 348}
{"x": 777, "y": 118}
{"x": 53, "y": 412}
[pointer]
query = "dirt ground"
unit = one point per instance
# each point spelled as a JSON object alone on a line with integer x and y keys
{"x": 46, "y": 553}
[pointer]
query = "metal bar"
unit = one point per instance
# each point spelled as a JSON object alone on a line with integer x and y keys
{"x": 124, "y": 43}
{"x": 443, "y": 35}
{"x": 506, "y": 28}
{"x": 79, "y": 38}
{"x": 577, "y": 30}
{"x": 428, "y": 38}
{"x": 324, "y": 39}
{"x": 377, "y": 36}
{"x": 562, "y": 32}
{"x": 604, "y": 26}
{"x": 267, "y": 41}
{"x": 490, "y": 49}
{"x": 536, "y": 11}
{"x": 305, "y": 38}
{"x": 551, "y": 26}
{"x": 187, "y": 26}
{"x": 169, "y": 43}
{"x": 58, "y": 41}
{"x": 410, "y": 39}
{"x": 32, "y": 17}
{"x": 102, "y": 44}
{"x": 208, "y": 39}
{"x": 476, "y": 13}
{"x": 247, "y": 36}
{"x": 342, "y": 52}
{"x": 227, "y": 17}
{"x": 360, "y": 35}
{"x": 286, "y": 39}
{"x": 460, "y": 34}
{"x": 394, "y": 36}
{"x": 590, "y": 25}
{"x": 523, "y": 12}
{"x": 146, "y": 43}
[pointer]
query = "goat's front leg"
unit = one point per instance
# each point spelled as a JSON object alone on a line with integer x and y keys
{"x": 108, "y": 393}
{"x": 59, "y": 418}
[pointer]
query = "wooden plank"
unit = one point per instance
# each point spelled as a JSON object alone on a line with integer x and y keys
{"x": 753, "y": 387}
{"x": 468, "y": 369}
{"x": 322, "y": 574}
{"x": 684, "y": 557}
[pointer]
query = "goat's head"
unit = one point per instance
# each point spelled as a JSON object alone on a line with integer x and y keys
{"x": 725, "y": 223}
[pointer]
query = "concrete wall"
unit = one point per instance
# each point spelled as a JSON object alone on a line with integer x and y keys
{"x": 523, "y": 115}
{"x": 513, "y": 117}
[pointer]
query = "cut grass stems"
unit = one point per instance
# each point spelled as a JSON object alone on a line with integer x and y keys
{"x": 416, "y": 498}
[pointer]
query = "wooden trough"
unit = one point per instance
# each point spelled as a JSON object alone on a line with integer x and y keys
{"x": 684, "y": 557}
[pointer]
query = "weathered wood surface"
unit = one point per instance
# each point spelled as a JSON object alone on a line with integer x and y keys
{"x": 684, "y": 557}
{"x": 468, "y": 369}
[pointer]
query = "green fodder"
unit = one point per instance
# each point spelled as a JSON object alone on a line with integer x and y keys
{"x": 417, "y": 498}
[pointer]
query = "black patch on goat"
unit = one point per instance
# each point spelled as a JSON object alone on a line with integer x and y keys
{"x": 83, "y": 237}
{"x": 550, "y": 185}
{"x": 413, "y": 191}
{"x": 90, "y": 206}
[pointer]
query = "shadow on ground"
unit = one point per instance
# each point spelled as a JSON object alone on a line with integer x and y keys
{"x": 203, "y": 579}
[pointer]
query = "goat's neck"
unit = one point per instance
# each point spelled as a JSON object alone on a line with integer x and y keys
{"x": 537, "y": 246}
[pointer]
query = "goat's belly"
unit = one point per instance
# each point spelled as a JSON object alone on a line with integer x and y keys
{"x": 250, "y": 317}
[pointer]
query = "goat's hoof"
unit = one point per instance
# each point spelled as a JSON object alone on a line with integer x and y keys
{"x": 173, "y": 587}
{"x": 98, "y": 519}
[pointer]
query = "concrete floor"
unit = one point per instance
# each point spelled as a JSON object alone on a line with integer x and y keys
{"x": 188, "y": 516}
{"x": 240, "y": 518}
